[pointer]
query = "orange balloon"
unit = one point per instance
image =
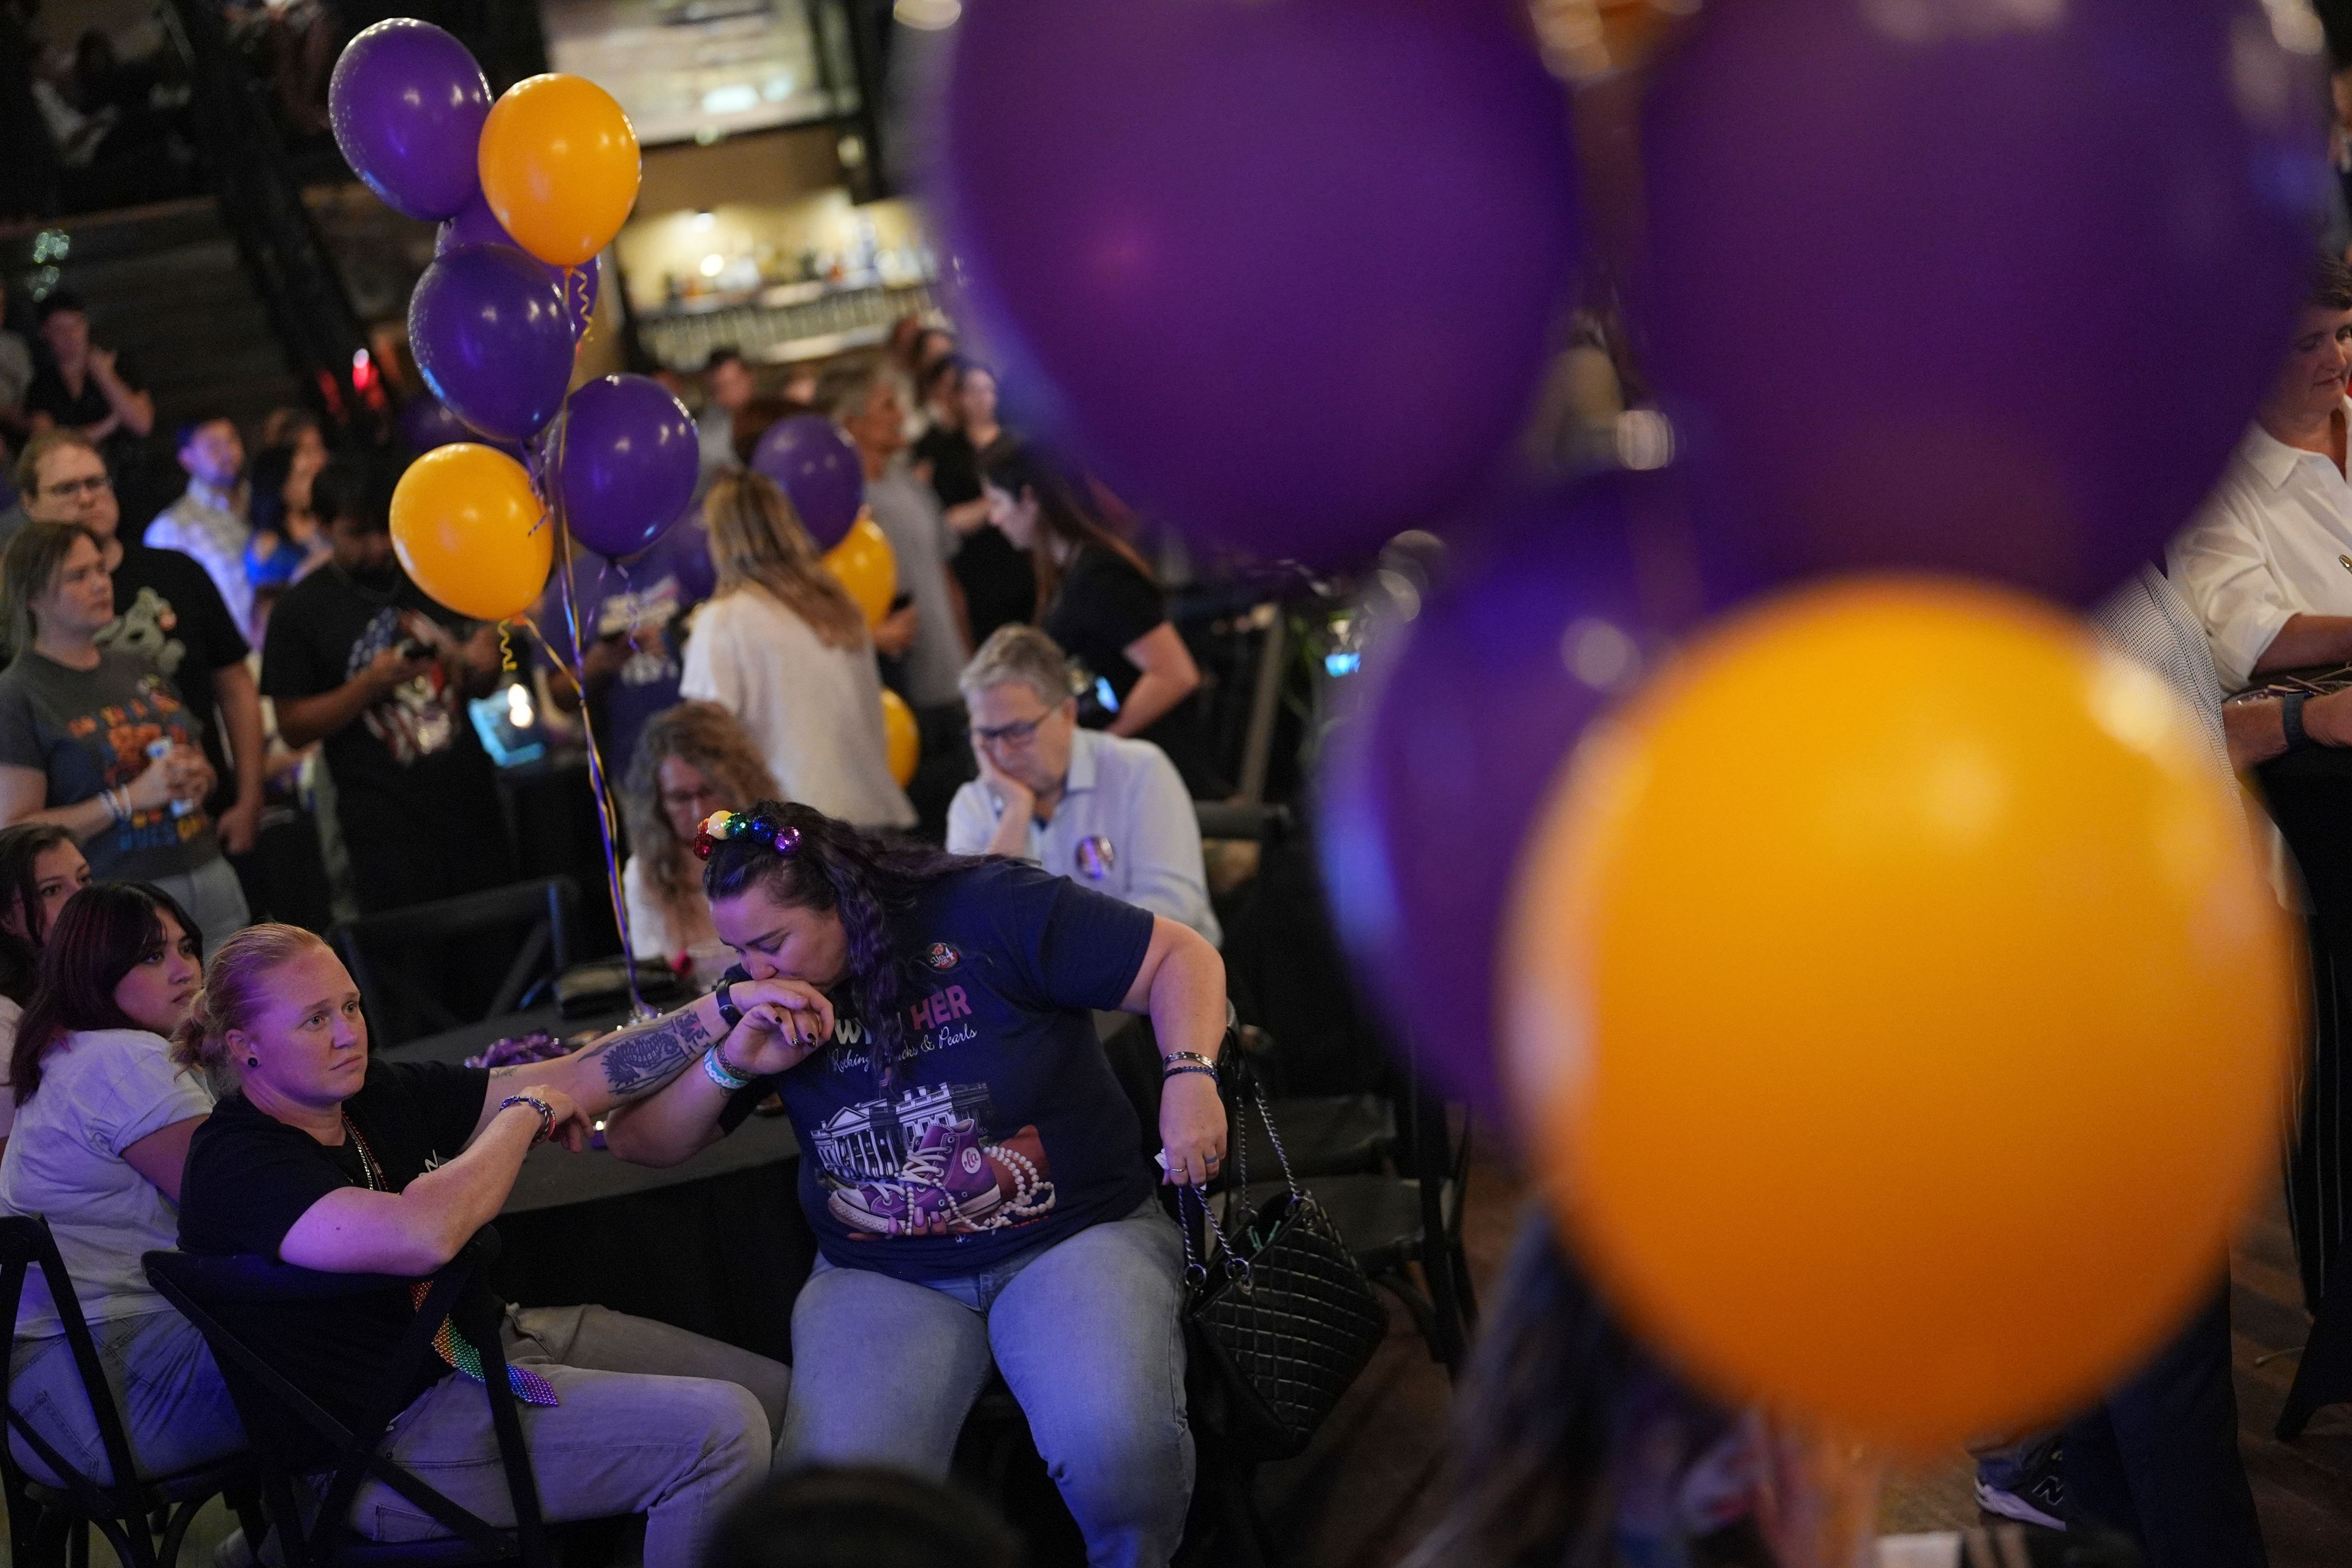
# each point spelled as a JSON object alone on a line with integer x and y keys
{"x": 1898, "y": 1011}
{"x": 470, "y": 530}
{"x": 905, "y": 739}
{"x": 559, "y": 166}
{"x": 867, "y": 566}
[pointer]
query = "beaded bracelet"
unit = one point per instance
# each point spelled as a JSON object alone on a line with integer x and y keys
{"x": 546, "y": 1115}
{"x": 717, "y": 1069}
{"x": 1175, "y": 1070}
{"x": 1174, "y": 1056}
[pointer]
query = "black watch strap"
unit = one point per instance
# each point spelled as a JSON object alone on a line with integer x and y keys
{"x": 2291, "y": 717}
{"x": 729, "y": 1012}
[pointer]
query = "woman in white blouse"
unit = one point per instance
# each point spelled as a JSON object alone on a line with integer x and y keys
{"x": 103, "y": 1120}
{"x": 784, "y": 647}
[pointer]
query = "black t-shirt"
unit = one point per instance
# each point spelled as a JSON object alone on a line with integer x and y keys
{"x": 48, "y": 395}
{"x": 1006, "y": 1128}
{"x": 954, "y": 464}
{"x": 250, "y": 1176}
{"x": 166, "y": 607}
{"x": 410, "y": 769}
{"x": 999, "y": 582}
{"x": 1101, "y": 608}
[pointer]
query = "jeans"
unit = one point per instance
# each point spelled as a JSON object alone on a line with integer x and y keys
{"x": 175, "y": 1412}
{"x": 653, "y": 1420}
{"x": 2158, "y": 1459}
{"x": 1088, "y": 1334}
{"x": 214, "y": 899}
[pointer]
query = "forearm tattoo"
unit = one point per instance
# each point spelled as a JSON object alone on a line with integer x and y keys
{"x": 638, "y": 1062}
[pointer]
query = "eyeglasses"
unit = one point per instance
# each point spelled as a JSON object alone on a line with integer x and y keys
{"x": 1012, "y": 737}
{"x": 88, "y": 486}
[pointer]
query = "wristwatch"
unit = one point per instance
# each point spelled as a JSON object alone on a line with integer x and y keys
{"x": 728, "y": 1014}
{"x": 2291, "y": 718}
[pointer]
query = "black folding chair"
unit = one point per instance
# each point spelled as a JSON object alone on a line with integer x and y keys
{"x": 145, "y": 1518}
{"x": 216, "y": 1292}
{"x": 1412, "y": 1220}
{"x": 396, "y": 957}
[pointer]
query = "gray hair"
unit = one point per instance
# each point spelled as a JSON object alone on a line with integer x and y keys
{"x": 1018, "y": 652}
{"x": 845, "y": 390}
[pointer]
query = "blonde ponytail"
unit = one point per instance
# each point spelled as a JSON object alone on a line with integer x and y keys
{"x": 236, "y": 987}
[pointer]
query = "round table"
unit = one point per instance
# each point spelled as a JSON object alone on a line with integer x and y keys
{"x": 716, "y": 1244}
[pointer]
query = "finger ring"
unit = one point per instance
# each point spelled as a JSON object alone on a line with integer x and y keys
{"x": 1210, "y": 1159}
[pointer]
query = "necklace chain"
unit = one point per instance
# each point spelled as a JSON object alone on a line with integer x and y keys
{"x": 372, "y": 1173}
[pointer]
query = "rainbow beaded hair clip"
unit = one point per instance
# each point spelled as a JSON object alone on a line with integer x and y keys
{"x": 721, "y": 824}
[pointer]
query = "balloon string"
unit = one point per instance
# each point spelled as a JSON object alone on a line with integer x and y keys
{"x": 551, "y": 500}
{"x": 505, "y": 646}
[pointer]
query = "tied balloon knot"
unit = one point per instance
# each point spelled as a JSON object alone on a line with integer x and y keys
{"x": 725, "y": 825}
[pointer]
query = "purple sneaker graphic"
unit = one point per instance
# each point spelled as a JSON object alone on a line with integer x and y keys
{"x": 948, "y": 1184}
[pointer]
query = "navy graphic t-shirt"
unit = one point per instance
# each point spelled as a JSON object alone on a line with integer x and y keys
{"x": 1005, "y": 1128}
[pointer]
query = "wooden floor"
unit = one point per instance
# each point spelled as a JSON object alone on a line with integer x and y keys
{"x": 1368, "y": 1489}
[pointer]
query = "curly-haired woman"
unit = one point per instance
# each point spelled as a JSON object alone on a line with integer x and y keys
{"x": 691, "y": 760}
{"x": 971, "y": 1168}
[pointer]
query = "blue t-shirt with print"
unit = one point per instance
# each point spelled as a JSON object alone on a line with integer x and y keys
{"x": 1004, "y": 1129}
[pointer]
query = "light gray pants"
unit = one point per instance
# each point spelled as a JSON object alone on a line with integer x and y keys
{"x": 175, "y": 1412}
{"x": 1088, "y": 1334}
{"x": 654, "y": 1420}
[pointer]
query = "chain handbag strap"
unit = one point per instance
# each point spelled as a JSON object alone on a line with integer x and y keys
{"x": 1196, "y": 1270}
{"x": 1241, "y": 1146}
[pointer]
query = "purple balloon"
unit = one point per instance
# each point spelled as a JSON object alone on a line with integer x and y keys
{"x": 628, "y": 456}
{"x": 476, "y": 224}
{"x": 492, "y": 337}
{"x": 820, "y": 471}
{"x": 1428, "y": 793}
{"x": 407, "y": 104}
{"x": 1288, "y": 269}
{"x": 1996, "y": 298}
{"x": 426, "y": 423}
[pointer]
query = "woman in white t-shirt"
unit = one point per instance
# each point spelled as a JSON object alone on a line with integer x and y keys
{"x": 784, "y": 647}
{"x": 103, "y": 1120}
{"x": 40, "y": 867}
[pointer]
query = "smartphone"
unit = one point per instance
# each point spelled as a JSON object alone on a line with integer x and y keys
{"x": 159, "y": 748}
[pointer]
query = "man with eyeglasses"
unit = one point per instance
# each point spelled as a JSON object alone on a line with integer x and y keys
{"x": 167, "y": 608}
{"x": 1106, "y": 811}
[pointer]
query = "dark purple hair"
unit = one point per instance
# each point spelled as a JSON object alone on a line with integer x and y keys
{"x": 864, "y": 878}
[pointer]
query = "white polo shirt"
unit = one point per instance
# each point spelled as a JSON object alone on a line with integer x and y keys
{"x": 2274, "y": 539}
{"x": 1124, "y": 827}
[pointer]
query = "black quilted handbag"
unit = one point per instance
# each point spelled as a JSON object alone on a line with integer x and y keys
{"x": 1277, "y": 1306}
